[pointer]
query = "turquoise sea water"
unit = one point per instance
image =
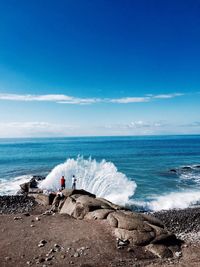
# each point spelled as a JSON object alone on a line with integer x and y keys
{"x": 146, "y": 161}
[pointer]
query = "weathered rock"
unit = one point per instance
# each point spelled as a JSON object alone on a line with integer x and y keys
{"x": 135, "y": 237}
{"x": 69, "y": 192}
{"x": 98, "y": 214}
{"x": 130, "y": 222}
{"x": 92, "y": 203}
{"x": 80, "y": 211}
{"x": 25, "y": 187}
{"x": 68, "y": 206}
{"x": 160, "y": 251}
{"x": 112, "y": 205}
{"x": 152, "y": 220}
{"x": 112, "y": 220}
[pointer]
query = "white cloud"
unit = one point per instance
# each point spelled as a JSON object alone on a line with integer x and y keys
{"x": 126, "y": 100}
{"x": 34, "y": 129}
{"x": 163, "y": 96}
{"x": 136, "y": 125}
{"x": 65, "y": 99}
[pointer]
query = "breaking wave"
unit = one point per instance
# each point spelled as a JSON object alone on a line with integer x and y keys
{"x": 174, "y": 200}
{"x": 179, "y": 200}
{"x": 100, "y": 178}
{"x": 10, "y": 187}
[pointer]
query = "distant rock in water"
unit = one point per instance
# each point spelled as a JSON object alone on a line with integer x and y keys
{"x": 173, "y": 170}
{"x": 197, "y": 166}
{"x": 186, "y": 168}
{"x": 32, "y": 185}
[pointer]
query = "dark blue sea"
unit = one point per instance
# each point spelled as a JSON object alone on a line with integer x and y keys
{"x": 151, "y": 172}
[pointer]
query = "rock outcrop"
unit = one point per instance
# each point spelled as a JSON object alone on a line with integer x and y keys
{"x": 132, "y": 228}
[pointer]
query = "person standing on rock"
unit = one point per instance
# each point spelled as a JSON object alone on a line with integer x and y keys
{"x": 62, "y": 183}
{"x": 74, "y": 182}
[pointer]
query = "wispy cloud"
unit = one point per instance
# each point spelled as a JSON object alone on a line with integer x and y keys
{"x": 65, "y": 99}
{"x": 58, "y": 98}
{"x": 126, "y": 100}
{"x": 192, "y": 124}
{"x": 37, "y": 129}
{"x": 137, "y": 125}
{"x": 163, "y": 96}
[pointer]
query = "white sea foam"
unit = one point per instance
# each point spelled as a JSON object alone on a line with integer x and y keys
{"x": 10, "y": 187}
{"x": 101, "y": 178}
{"x": 178, "y": 200}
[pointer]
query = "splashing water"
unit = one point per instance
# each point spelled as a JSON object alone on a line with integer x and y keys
{"x": 174, "y": 200}
{"x": 100, "y": 178}
{"x": 10, "y": 187}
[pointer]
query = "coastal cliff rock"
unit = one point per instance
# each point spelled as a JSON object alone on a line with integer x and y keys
{"x": 132, "y": 228}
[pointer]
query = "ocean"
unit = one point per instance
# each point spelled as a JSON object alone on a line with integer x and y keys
{"x": 145, "y": 173}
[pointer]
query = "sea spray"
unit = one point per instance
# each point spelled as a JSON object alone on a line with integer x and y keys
{"x": 173, "y": 200}
{"x": 12, "y": 186}
{"x": 101, "y": 178}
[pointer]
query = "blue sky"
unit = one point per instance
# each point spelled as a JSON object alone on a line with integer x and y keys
{"x": 73, "y": 67}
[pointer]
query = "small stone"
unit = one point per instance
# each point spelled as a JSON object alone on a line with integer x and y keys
{"x": 43, "y": 241}
{"x": 130, "y": 249}
{"x": 28, "y": 262}
{"x": 37, "y": 218}
{"x": 56, "y": 246}
{"x": 26, "y": 214}
{"x": 178, "y": 254}
{"x": 7, "y": 258}
{"x": 49, "y": 258}
{"x": 71, "y": 262}
{"x": 62, "y": 256}
{"x": 40, "y": 260}
{"x": 76, "y": 255}
{"x": 17, "y": 218}
{"x": 32, "y": 225}
{"x": 40, "y": 245}
{"x": 51, "y": 250}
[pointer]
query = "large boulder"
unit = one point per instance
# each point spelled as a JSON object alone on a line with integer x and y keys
{"x": 68, "y": 206}
{"x": 129, "y": 222}
{"x": 92, "y": 203}
{"x": 100, "y": 214}
{"x": 135, "y": 237}
{"x": 70, "y": 192}
{"x": 161, "y": 251}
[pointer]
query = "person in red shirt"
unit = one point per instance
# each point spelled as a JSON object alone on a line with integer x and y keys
{"x": 62, "y": 183}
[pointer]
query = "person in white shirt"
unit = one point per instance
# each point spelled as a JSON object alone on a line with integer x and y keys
{"x": 74, "y": 182}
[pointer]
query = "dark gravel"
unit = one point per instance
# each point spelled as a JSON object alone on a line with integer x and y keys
{"x": 16, "y": 204}
{"x": 180, "y": 221}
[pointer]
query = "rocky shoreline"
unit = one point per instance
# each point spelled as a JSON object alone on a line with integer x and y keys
{"x": 16, "y": 204}
{"x": 184, "y": 223}
{"x": 34, "y": 222}
{"x": 177, "y": 221}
